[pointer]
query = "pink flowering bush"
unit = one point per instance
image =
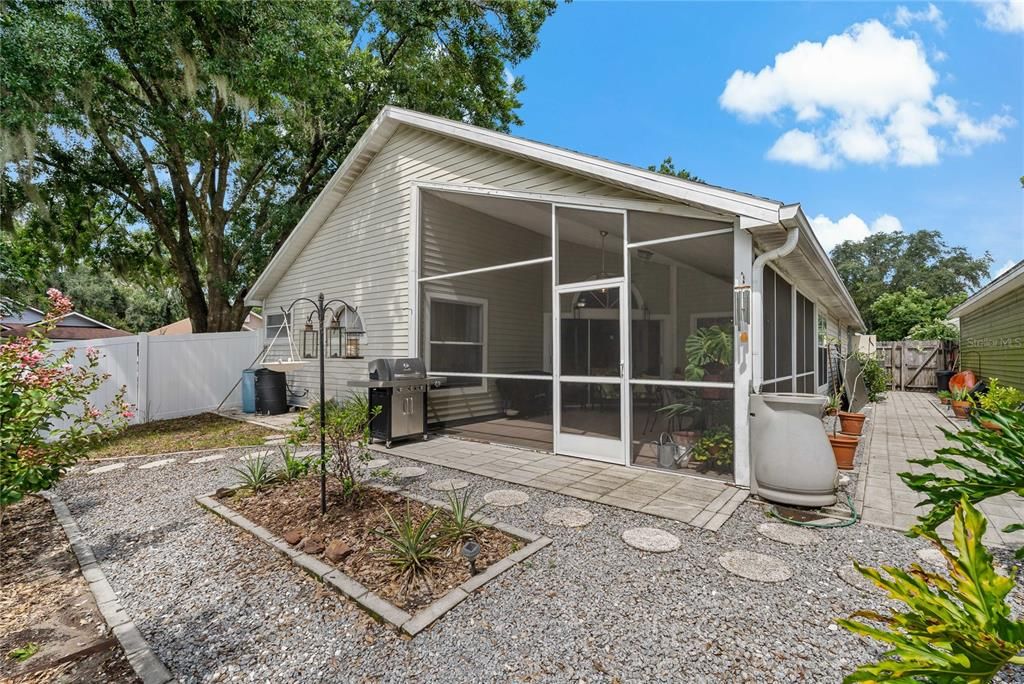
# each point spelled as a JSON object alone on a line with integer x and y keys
{"x": 46, "y": 420}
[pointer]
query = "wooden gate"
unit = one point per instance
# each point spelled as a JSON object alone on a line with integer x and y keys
{"x": 912, "y": 364}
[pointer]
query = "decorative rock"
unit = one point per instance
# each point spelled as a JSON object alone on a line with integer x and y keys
{"x": 932, "y": 556}
{"x": 789, "y": 534}
{"x": 337, "y": 550}
{"x": 409, "y": 472}
{"x": 849, "y": 574}
{"x": 376, "y": 463}
{"x": 311, "y": 546}
{"x": 506, "y": 497}
{"x": 293, "y": 537}
{"x": 755, "y": 566}
{"x": 156, "y": 464}
{"x": 651, "y": 539}
{"x": 106, "y": 468}
{"x": 448, "y": 485}
{"x": 207, "y": 459}
{"x": 568, "y": 517}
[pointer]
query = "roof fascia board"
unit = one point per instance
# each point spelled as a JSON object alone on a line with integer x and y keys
{"x": 992, "y": 291}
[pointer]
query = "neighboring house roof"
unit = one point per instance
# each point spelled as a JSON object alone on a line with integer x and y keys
{"x": 65, "y": 332}
{"x": 767, "y": 214}
{"x": 78, "y": 319}
{"x": 253, "y": 321}
{"x": 1004, "y": 284}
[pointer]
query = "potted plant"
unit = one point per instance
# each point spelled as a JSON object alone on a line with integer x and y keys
{"x": 944, "y": 397}
{"x": 999, "y": 399}
{"x": 961, "y": 401}
{"x": 714, "y": 450}
{"x": 708, "y": 356}
{"x": 851, "y": 422}
{"x": 844, "y": 449}
{"x": 833, "y": 403}
{"x": 682, "y": 418}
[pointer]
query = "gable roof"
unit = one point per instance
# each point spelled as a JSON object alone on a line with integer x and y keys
{"x": 763, "y": 211}
{"x": 1003, "y": 284}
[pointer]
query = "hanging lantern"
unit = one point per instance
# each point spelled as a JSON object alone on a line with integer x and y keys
{"x": 310, "y": 341}
{"x": 351, "y": 325}
{"x": 334, "y": 334}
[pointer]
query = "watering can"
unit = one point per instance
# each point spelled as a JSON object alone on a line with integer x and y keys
{"x": 670, "y": 454}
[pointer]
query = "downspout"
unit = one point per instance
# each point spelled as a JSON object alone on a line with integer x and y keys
{"x": 787, "y": 219}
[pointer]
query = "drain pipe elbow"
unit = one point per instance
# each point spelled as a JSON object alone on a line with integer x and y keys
{"x": 788, "y": 220}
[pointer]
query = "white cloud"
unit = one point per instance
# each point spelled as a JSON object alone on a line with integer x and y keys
{"x": 864, "y": 96}
{"x": 851, "y": 227}
{"x": 931, "y": 15}
{"x": 1004, "y": 268}
{"x": 799, "y": 147}
{"x": 1006, "y": 16}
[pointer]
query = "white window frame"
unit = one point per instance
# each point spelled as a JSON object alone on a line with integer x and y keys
{"x": 465, "y": 300}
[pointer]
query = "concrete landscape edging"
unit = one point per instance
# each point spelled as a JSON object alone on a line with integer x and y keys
{"x": 141, "y": 656}
{"x": 370, "y": 602}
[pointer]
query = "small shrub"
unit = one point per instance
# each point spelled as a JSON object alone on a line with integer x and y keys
{"x": 410, "y": 547}
{"x": 256, "y": 474}
{"x": 460, "y": 524}
{"x": 714, "y": 449}
{"x": 988, "y": 462}
{"x": 293, "y": 467}
{"x": 346, "y": 432}
{"x": 1000, "y": 398}
{"x": 876, "y": 380}
{"x": 23, "y": 653}
{"x": 955, "y": 629}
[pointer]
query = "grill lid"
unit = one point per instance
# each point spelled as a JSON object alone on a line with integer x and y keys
{"x": 397, "y": 369}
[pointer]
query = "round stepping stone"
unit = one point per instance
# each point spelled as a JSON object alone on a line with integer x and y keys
{"x": 409, "y": 472}
{"x": 207, "y": 459}
{"x": 651, "y": 539}
{"x": 932, "y": 556}
{"x": 568, "y": 517}
{"x": 755, "y": 566}
{"x": 156, "y": 464}
{"x": 849, "y": 574}
{"x": 106, "y": 468}
{"x": 448, "y": 485}
{"x": 789, "y": 534}
{"x": 376, "y": 463}
{"x": 506, "y": 497}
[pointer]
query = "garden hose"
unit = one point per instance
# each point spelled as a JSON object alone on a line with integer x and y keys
{"x": 852, "y": 520}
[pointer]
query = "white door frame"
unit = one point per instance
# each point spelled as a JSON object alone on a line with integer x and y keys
{"x": 595, "y": 448}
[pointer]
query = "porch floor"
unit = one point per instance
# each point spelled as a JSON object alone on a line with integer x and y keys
{"x": 703, "y": 503}
{"x": 907, "y": 425}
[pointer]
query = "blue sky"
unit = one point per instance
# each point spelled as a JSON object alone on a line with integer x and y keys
{"x": 887, "y": 117}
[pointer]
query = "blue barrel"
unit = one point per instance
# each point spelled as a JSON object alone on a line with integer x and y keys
{"x": 249, "y": 390}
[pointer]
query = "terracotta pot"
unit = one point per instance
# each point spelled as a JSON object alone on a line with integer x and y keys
{"x": 944, "y": 401}
{"x": 851, "y": 423}
{"x": 961, "y": 408}
{"x": 990, "y": 425}
{"x": 686, "y": 438}
{"x": 714, "y": 392}
{"x": 844, "y": 448}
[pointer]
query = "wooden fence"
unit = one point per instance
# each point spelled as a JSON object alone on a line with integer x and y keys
{"x": 912, "y": 364}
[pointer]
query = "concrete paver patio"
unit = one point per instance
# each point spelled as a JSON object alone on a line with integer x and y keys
{"x": 907, "y": 425}
{"x": 703, "y": 503}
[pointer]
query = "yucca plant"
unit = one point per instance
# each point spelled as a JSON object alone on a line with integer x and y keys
{"x": 293, "y": 467}
{"x": 460, "y": 523}
{"x": 256, "y": 474}
{"x": 954, "y": 629}
{"x": 989, "y": 463}
{"x": 411, "y": 547}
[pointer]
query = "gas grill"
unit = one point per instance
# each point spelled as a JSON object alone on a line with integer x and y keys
{"x": 399, "y": 388}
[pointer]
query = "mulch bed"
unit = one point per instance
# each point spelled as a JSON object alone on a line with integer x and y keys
{"x": 45, "y": 601}
{"x": 296, "y": 506}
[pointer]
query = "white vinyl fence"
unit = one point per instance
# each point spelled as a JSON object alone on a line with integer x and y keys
{"x": 171, "y": 376}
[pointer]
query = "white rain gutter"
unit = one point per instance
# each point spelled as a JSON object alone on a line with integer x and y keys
{"x": 787, "y": 219}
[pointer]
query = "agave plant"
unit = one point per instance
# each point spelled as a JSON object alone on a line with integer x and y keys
{"x": 461, "y": 524}
{"x": 989, "y": 463}
{"x": 954, "y": 629}
{"x": 410, "y": 547}
{"x": 256, "y": 474}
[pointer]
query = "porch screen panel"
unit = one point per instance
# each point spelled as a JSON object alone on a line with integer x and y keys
{"x": 777, "y": 330}
{"x": 805, "y": 344}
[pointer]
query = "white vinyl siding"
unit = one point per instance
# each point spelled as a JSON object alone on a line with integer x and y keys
{"x": 361, "y": 252}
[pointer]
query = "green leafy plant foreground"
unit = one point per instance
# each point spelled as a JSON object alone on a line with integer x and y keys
{"x": 410, "y": 547}
{"x": 987, "y": 462}
{"x": 23, "y": 653}
{"x": 955, "y": 629}
{"x": 255, "y": 474}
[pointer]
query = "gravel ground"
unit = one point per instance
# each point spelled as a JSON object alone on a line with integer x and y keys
{"x": 218, "y": 605}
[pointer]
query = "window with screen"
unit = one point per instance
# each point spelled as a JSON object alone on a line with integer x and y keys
{"x": 456, "y": 339}
{"x": 276, "y": 328}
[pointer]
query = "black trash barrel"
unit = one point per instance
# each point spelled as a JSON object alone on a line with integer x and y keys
{"x": 942, "y": 379}
{"x": 271, "y": 392}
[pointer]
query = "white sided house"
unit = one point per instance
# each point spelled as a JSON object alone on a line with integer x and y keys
{"x": 560, "y": 293}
